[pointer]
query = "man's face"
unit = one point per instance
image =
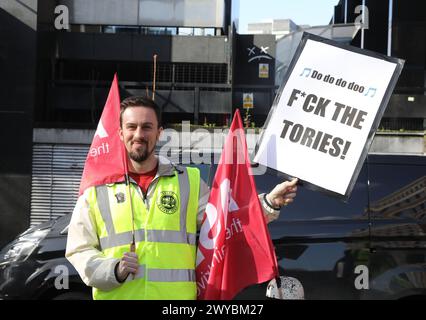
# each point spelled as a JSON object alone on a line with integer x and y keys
{"x": 139, "y": 132}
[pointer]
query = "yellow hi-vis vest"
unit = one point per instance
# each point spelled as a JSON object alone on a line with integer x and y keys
{"x": 165, "y": 235}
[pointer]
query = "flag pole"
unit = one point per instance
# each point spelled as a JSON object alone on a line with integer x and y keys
{"x": 133, "y": 244}
{"x": 155, "y": 73}
{"x": 127, "y": 179}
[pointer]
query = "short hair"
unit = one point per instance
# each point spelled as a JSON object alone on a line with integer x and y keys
{"x": 138, "y": 101}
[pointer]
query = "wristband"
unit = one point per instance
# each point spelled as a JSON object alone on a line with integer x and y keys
{"x": 268, "y": 204}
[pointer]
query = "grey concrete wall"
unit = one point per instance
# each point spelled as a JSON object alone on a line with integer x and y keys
{"x": 63, "y": 136}
{"x": 215, "y": 102}
{"x": 400, "y": 143}
{"x": 200, "y": 49}
{"x": 177, "y": 13}
{"x": 129, "y": 47}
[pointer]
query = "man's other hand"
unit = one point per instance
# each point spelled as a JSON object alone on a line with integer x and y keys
{"x": 283, "y": 193}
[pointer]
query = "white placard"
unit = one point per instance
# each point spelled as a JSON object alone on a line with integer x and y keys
{"x": 319, "y": 126}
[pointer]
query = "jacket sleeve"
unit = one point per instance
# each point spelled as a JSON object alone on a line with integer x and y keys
{"x": 204, "y": 198}
{"x": 83, "y": 252}
{"x": 202, "y": 202}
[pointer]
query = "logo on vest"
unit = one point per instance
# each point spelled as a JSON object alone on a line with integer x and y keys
{"x": 120, "y": 197}
{"x": 168, "y": 202}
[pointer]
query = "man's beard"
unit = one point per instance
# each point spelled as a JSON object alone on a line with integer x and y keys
{"x": 141, "y": 155}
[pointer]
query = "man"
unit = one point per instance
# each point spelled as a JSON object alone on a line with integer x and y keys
{"x": 168, "y": 203}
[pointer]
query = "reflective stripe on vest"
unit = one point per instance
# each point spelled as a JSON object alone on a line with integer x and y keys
{"x": 171, "y": 275}
{"x": 119, "y": 239}
{"x": 162, "y": 275}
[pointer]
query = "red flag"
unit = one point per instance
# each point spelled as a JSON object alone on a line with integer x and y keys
{"x": 235, "y": 249}
{"x": 105, "y": 162}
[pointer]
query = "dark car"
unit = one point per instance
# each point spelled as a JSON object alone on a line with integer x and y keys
{"x": 372, "y": 247}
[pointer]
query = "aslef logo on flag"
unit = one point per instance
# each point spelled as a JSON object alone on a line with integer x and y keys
{"x": 106, "y": 160}
{"x": 233, "y": 234}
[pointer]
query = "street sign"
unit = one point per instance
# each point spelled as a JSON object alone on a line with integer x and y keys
{"x": 248, "y": 101}
{"x": 263, "y": 70}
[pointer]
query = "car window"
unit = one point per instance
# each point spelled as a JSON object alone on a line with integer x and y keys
{"x": 398, "y": 189}
{"x": 315, "y": 205}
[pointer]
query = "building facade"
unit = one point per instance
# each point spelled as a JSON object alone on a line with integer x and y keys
{"x": 396, "y": 28}
{"x": 277, "y": 27}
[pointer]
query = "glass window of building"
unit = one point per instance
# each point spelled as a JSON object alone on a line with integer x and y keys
{"x": 209, "y": 31}
{"x": 198, "y": 32}
{"x": 171, "y": 31}
{"x": 156, "y": 30}
{"x": 108, "y": 29}
{"x": 186, "y": 31}
{"x": 127, "y": 29}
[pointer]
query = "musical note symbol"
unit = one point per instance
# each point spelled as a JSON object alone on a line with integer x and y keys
{"x": 373, "y": 90}
{"x": 308, "y": 72}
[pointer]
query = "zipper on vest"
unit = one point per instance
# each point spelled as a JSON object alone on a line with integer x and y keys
{"x": 145, "y": 195}
{"x": 142, "y": 194}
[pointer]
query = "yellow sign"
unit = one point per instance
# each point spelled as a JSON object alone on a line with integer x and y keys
{"x": 247, "y": 100}
{"x": 263, "y": 70}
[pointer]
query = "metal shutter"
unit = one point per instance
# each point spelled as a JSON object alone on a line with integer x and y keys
{"x": 56, "y": 175}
